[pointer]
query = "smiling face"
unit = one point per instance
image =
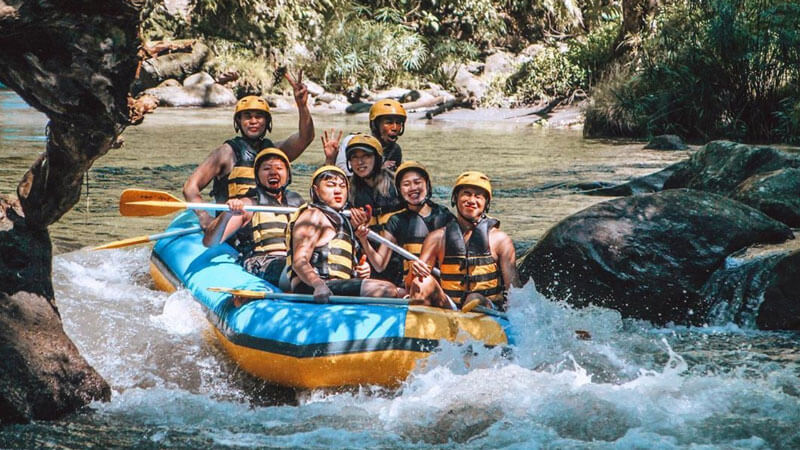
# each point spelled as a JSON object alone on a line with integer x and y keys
{"x": 471, "y": 202}
{"x": 331, "y": 189}
{"x": 273, "y": 173}
{"x": 413, "y": 187}
{"x": 362, "y": 163}
{"x": 390, "y": 128}
{"x": 253, "y": 123}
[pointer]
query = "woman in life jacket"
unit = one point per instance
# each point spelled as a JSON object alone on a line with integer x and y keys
{"x": 410, "y": 226}
{"x": 387, "y": 122}
{"x": 260, "y": 235}
{"x": 323, "y": 252}
{"x": 476, "y": 259}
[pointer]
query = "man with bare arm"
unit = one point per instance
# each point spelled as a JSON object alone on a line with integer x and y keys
{"x": 476, "y": 259}
{"x": 230, "y": 166}
{"x": 322, "y": 245}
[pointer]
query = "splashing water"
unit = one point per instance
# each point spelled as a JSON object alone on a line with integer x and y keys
{"x": 629, "y": 386}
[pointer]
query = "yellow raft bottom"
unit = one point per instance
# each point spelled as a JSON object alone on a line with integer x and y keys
{"x": 380, "y": 367}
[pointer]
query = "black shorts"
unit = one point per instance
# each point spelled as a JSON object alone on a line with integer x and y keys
{"x": 350, "y": 288}
{"x": 267, "y": 267}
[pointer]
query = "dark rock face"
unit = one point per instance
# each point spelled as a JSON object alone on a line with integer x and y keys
{"x": 666, "y": 142}
{"x": 43, "y": 375}
{"x": 757, "y": 288}
{"x": 780, "y": 309}
{"x": 73, "y": 61}
{"x": 775, "y": 193}
{"x": 647, "y": 256}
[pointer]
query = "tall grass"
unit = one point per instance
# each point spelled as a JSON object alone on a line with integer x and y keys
{"x": 713, "y": 68}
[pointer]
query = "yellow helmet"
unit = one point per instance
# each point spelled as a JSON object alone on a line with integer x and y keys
{"x": 472, "y": 178}
{"x": 366, "y": 143}
{"x": 251, "y": 103}
{"x": 327, "y": 168}
{"x": 274, "y": 152}
{"x": 386, "y": 107}
{"x": 413, "y": 165}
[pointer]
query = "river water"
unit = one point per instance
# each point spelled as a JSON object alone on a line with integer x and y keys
{"x": 631, "y": 386}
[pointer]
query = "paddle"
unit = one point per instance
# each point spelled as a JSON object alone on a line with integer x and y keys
{"x": 308, "y": 298}
{"x": 343, "y": 299}
{"x": 148, "y": 238}
{"x": 141, "y": 203}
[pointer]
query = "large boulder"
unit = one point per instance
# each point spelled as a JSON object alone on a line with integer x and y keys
{"x": 720, "y": 166}
{"x": 646, "y": 256}
{"x": 198, "y": 89}
{"x": 757, "y": 288}
{"x": 776, "y": 193}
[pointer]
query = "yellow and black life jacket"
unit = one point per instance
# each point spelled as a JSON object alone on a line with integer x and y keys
{"x": 241, "y": 179}
{"x": 333, "y": 260}
{"x": 383, "y": 206}
{"x": 410, "y": 229}
{"x": 469, "y": 267}
{"x": 266, "y": 231}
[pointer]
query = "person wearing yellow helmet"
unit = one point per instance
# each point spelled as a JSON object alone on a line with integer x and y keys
{"x": 323, "y": 252}
{"x": 476, "y": 259}
{"x": 260, "y": 235}
{"x": 230, "y": 166}
{"x": 410, "y": 226}
{"x": 387, "y": 122}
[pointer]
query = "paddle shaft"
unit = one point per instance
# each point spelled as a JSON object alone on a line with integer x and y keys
{"x": 344, "y": 299}
{"x": 375, "y": 237}
{"x": 143, "y": 239}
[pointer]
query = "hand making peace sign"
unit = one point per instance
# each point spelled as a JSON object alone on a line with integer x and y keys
{"x": 300, "y": 89}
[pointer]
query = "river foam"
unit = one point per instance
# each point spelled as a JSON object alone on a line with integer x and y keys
{"x": 630, "y": 386}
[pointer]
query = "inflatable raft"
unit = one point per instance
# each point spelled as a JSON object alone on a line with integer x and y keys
{"x": 307, "y": 345}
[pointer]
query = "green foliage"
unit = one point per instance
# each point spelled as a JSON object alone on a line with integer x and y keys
{"x": 718, "y": 68}
{"x": 550, "y": 74}
{"x": 376, "y": 54}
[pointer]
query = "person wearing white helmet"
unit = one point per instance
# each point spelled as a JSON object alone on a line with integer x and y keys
{"x": 476, "y": 259}
{"x": 230, "y": 166}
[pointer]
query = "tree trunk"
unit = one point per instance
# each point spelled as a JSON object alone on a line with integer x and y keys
{"x": 74, "y": 61}
{"x": 635, "y": 18}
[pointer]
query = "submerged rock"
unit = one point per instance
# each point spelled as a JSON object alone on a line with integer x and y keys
{"x": 666, "y": 142}
{"x": 642, "y": 185}
{"x": 646, "y": 256}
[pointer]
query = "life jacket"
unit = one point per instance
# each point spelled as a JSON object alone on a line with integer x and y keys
{"x": 334, "y": 260}
{"x": 392, "y": 152}
{"x": 383, "y": 206}
{"x": 266, "y": 231}
{"x": 241, "y": 179}
{"x": 412, "y": 229}
{"x": 469, "y": 267}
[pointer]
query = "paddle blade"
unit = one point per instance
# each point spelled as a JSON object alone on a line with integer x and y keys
{"x": 131, "y": 203}
{"x": 123, "y": 243}
{"x": 244, "y": 293}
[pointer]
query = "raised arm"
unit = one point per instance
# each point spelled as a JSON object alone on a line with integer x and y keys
{"x": 295, "y": 144}
{"x": 218, "y": 163}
